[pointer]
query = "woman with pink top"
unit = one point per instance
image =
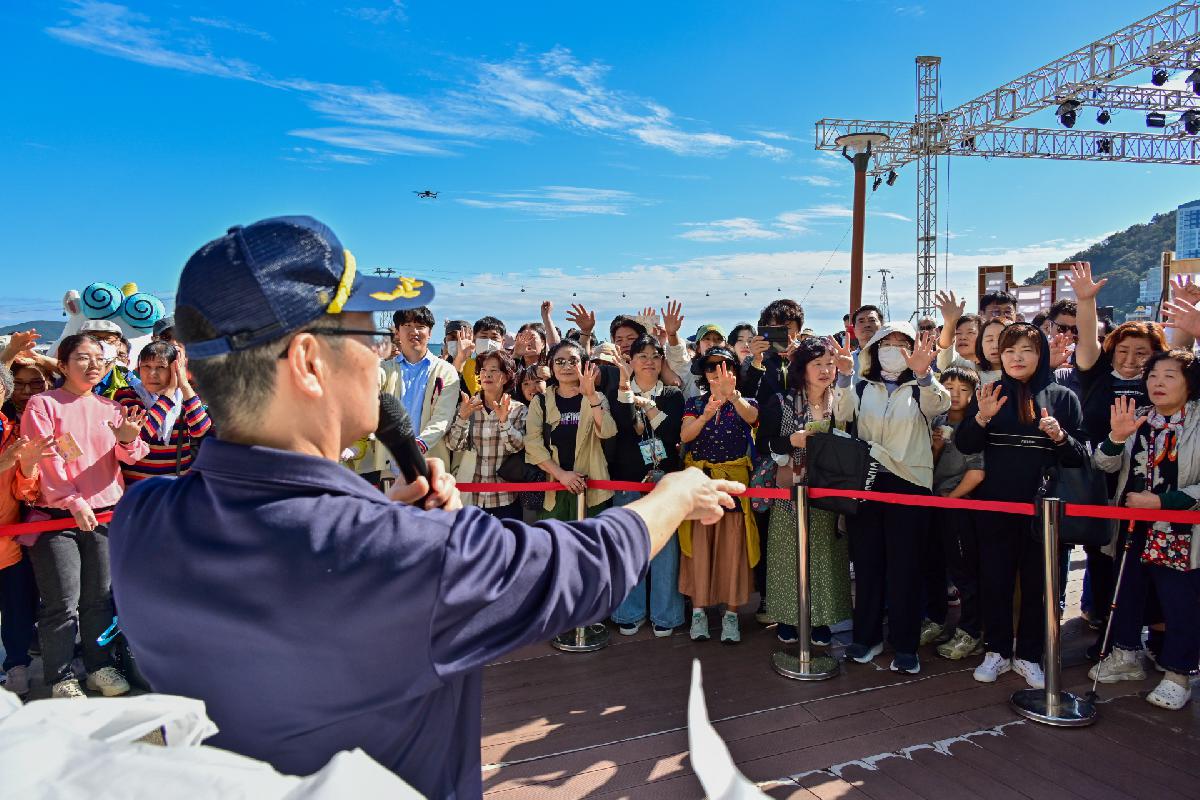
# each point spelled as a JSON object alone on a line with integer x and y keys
{"x": 92, "y": 436}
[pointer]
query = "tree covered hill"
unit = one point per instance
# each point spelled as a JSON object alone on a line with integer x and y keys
{"x": 1124, "y": 258}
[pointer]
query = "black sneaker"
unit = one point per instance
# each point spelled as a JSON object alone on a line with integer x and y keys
{"x": 907, "y": 663}
{"x": 863, "y": 653}
{"x": 630, "y": 628}
{"x": 821, "y": 636}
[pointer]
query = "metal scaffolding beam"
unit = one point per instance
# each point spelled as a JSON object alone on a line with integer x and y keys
{"x": 926, "y": 130}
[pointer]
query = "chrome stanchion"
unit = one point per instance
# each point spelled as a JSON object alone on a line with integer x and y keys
{"x": 1052, "y": 706}
{"x": 802, "y": 665}
{"x": 592, "y": 637}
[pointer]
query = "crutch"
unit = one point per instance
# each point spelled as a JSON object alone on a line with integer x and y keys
{"x": 1092, "y": 696}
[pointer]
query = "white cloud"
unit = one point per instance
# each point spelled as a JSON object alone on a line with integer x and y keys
{"x": 776, "y": 135}
{"x": 317, "y": 157}
{"x": 379, "y": 15}
{"x": 813, "y": 180}
{"x": 727, "y": 230}
{"x": 559, "y": 201}
{"x": 501, "y": 99}
{"x": 230, "y": 25}
{"x": 373, "y": 141}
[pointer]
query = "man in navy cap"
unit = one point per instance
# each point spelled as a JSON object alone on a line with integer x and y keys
{"x": 310, "y": 612}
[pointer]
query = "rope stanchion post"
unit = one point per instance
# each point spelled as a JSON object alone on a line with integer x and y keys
{"x": 802, "y": 665}
{"x": 1052, "y": 705}
{"x": 592, "y": 637}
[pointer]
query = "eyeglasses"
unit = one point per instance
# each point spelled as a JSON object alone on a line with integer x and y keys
{"x": 29, "y": 386}
{"x": 1073, "y": 329}
{"x": 567, "y": 362}
{"x": 83, "y": 360}
{"x": 378, "y": 341}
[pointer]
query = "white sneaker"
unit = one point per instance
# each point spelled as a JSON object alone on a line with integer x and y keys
{"x": 68, "y": 689}
{"x": 1119, "y": 665}
{"x": 1031, "y": 672}
{"x": 108, "y": 682}
{"x": 16, "y": 680}
{"x": 994, "y": 665}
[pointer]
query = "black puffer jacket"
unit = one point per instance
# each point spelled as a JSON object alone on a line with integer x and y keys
{"x": 1019, "y": 454}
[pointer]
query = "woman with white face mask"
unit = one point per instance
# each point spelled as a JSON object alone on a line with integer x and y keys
{"x": 892, "y": 402}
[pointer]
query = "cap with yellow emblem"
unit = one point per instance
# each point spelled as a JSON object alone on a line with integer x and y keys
{"x": 260, "y": 282}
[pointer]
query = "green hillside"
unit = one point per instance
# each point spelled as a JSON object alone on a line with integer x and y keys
{"x": 1124, "y": 258}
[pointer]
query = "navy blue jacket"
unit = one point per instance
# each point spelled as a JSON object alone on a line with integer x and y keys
{"x": 312, "y": 615}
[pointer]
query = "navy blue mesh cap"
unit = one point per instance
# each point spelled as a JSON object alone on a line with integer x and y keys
{"x": 260, "y": 282}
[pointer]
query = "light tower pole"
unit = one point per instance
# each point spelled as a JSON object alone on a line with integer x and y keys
{"x": 860, "y": 144}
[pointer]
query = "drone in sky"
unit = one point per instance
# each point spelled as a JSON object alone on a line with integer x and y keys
{"x": 426, "y": 195}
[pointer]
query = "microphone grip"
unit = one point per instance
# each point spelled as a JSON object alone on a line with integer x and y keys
{"x": 395, "y": 432}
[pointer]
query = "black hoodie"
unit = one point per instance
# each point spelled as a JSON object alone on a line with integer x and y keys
{"x": 1017, "y": 455}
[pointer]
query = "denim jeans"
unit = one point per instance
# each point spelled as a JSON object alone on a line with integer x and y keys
{"x": 18, "y": 609}
{"x": 665, "y": 601}
{"x": 71, "y": 568}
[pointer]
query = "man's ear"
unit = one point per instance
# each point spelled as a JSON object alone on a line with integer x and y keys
{"x": 305, "y": 367}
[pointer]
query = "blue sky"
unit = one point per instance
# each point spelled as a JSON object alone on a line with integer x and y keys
{"x": 620, "y": 151}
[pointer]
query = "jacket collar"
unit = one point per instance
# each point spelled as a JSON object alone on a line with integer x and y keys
{"x": 258, "y": 464}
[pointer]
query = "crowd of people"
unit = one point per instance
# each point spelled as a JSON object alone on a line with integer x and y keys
{"x": 979, "y": 405}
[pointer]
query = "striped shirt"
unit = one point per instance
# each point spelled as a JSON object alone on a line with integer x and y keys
{"x": 173, "y": 457}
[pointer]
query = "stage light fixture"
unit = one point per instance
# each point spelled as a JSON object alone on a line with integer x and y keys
{"x": 1066, "y": 113}
{"x": 1104, "y": 147}
{"x": 1156, "y": 119}
{"x": 1104, "y": 117}
{"x": 876, "y": 183}
{"x": 891, "y": 178}
{"x": 1194, "y": 80}
{"x": 1191, "y": 122}
{"x": 1159, "y": 76}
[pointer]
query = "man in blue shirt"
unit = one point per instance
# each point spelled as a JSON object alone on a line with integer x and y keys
{"x": 310, "y": 612}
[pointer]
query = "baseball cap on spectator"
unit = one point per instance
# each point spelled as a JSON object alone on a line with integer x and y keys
{"x": 101, "y": 326}
{"x": 704, "y": 330}
{"x": 163, "y": 325}
{"x": 260, "y": 282}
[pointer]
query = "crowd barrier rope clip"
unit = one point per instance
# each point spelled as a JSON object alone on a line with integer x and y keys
{"x": 802, "y": 665}
{"x": 1051, "y": 705}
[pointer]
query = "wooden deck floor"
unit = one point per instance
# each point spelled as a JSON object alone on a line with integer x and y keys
{"x": 612, "y": 724}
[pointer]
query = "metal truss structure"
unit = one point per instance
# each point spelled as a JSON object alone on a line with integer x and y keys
{"x": 1084, "y": 78}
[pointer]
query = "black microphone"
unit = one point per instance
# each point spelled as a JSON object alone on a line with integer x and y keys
{"x": 395, "y": 432}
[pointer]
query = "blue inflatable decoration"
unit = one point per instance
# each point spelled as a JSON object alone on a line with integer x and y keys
{"x": 142, "y": 310}
{"x": 102, "y": 300}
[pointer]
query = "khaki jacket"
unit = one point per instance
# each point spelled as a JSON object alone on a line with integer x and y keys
{"x": 589, "y": 453}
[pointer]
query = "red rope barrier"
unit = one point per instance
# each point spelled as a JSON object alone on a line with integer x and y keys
{"x": 1133, "y": 514}
{"x": 928, "y": 501}
{"x": 46, "y": 525}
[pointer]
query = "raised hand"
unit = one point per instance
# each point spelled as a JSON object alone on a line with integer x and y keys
{"x": 990, "y": 399}
{"x": 626, "y": 371}
{"x": 469, "y": 405}
{"x": 672, "y": 318}
{"x": 1182, "y": 315}
{"x": 842, "y": 355}
{"x": 132, "y": 420}
{"x": 1182, "y": 286}
{"x": 1061, "y": 346}
{"x": 589, "y": 378}
{"x": 20, "y": 345}
{"x": 502, "y": 407}
{"x": 921, "y": 356}
{"x": 759, "y": 346}
{"x": 1049, "y": 426}
{"x": 651, "y": 316}
{"x": 466, "y": 342}
{"x": 1123, "y": 420}
{"x": 581, "y": 318}
{"x": 951, "y": 307}
{"x": 547, "y": 308}
{"x": 1081, "y": 281}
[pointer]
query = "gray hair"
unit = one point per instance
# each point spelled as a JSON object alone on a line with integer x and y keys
{"x": 6, "y": 381}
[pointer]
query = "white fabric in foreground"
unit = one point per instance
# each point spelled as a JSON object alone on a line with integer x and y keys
{"x": 84, "y": 748}
{"x": 710, "y": 757}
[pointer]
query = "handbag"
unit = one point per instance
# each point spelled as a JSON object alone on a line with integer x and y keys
{"x": 1082, "y": 486}
{"x": 838, "y": 461}
{"x": 535, "y": 501}
{"x": 512, "y": 468}
{"x": 763, "y": 477}
{"x": 1168, "y": 549}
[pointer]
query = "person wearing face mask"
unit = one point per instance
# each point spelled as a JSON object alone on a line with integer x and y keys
{"x": 893, "y": 401}
{"x": 117, "y": 375}
{"x": 489, "y": 334}
{"x": 1025, "y": 425}
{"x": 176, "y": 420}
{"x": 786, "y": 422}
{"x": 1105, "y": 373}
{"x": 1156, "y": 451}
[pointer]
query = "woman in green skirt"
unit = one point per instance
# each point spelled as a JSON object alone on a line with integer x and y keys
{"x": 563, "y": 433}
{"x": 787, "y": 419}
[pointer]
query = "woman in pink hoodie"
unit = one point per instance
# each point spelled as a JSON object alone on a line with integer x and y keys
{"x": 92, "y": 436}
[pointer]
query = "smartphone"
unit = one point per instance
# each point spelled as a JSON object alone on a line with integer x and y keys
{"x": 777, "y": 335}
